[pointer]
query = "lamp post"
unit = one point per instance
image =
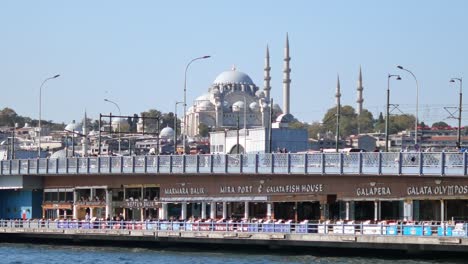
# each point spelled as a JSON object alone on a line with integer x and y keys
{"x": 40, "y": 112}
{"x": 185, "y": 97}
{"x": 175, "y": 126}
{"x": 387, "y": 115}
{"x": 245, "y": 125}
{"x": 120, "y": 114}
{"x": 459, "y": 111}
{"x": 417, "y": 105}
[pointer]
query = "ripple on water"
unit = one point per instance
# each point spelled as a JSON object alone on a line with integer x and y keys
{"x": 46, "y": 254}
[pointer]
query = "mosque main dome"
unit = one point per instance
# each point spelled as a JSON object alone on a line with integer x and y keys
{"x": 233, "y": 76}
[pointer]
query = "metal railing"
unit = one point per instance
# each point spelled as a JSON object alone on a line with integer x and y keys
{"x": 362, "y": 163}
{"x": 350, "y": 228}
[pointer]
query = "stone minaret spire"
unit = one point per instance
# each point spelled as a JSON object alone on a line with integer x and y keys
{"x": 338, "y": 92}
{"x": 267, "y": 77}
{"x": 84, "y": 141}
{"x": 286, "y": 78}
{"x": 338, "y": 114}
{"x": 360, "y": 99}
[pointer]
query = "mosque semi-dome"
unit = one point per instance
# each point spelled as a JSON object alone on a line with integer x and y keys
{"x": 203, "y": 97}
{"x": 233, "y": 76}
{"x": 239, "y": 105}
{"x": 254, "y": 107}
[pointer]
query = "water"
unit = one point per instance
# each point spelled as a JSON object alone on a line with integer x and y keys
{"x": 52, "y": 254}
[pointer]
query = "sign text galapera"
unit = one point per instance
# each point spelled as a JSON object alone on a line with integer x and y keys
{"x": 373, "y": 191}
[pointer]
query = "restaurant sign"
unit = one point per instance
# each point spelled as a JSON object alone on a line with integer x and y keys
{"x": 141, "y": 204}
{"x": 437, "y": 190}
{"x": 288, "y": 188}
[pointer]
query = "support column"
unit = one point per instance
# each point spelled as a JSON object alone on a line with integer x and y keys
{"x": 203, "y": 210}
{"x": 324, "y": 211}
{"x": 164, "y": 211}
{"x": 183, "y": 211}
{"x": 347, "y": 211}
{"x": 58, "y": 214}
{"x": 376, "y": 210}
{"x": 442, "y": 210}
{"x": 75, "y": 207}
{"x": 408, "y": 210}
{"x": 92, "y": 193}
{"x": 109, "y": 209}
{"x": 213, "y": 210}
{"x": 161, "y": 212}
{"x": 225, "y": 210}
{"x": 91, "y": 212}
{"x": 352, "y": 211}
{"x": 270, "y": 213}
{"x": 246, "y": 210}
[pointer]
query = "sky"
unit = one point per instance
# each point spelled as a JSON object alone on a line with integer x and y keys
{"x": 135, "y": 53}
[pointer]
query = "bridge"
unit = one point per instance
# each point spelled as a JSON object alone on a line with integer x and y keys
{"x": 362, "y": 163}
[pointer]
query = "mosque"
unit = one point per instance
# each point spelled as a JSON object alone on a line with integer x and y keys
{"x": 235, "y": 102}
{"x": 234, "y": 95}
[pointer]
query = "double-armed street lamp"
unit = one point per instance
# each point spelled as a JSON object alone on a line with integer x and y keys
{"x": 387, "y": 115}
{"x": 459, "y": 110}
{"x": 40, "y": 113}
{"x": 185, "y": 97}
{"x": 119, "y": 120}
{"x": 417, "y": 105}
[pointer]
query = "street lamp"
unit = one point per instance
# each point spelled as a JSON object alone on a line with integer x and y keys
{"x": 185, "y": 97}
{"x": 387, "y": 115}
{"x": 40, "y": 110}
{"x": 245, "y": 125}
{"x": 120, "y": 115}
{"x": 459, "y": 110}
{"x": 417, "y": 106}
{"x": 175, "y": 125}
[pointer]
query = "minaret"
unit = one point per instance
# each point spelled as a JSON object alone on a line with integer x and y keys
{"x": 84, "y": 141}
{"x": 338, "y": 113}
{"x": 338, "y": 92}
{"x": 286, "y": 78}
{"x": 267, "y": 77}
{"x": 360, "y": 100}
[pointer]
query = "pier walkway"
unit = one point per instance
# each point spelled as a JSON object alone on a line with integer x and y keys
{"x": 408, "y": 237}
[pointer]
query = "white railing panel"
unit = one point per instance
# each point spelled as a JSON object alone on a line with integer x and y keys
{"x": 233, "y": 163}
{"x": 264, "y": 163}
{"x": 332, "y": 163}
{"x": 297, "y": 163}
{"x": 454, "y": 164}
{"x": 314, "y": 163}
{"x": 351, "y": 163}
{"x": 370, "y": 163}
{"x": 218, "y": 163}
{"x": 204, "y": 163}
{"x": 390, "y": 163}
{"x": 410, "y": 163}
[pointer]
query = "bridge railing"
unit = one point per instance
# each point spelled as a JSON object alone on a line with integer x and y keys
{"x": 383, "y": 228}
{"x": 363, "y": 163}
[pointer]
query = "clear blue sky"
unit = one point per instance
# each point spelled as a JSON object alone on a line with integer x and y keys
{"x": 135, "y": 52}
